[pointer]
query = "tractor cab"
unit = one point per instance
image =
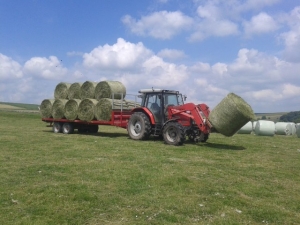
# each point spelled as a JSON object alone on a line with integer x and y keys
{"x": 157, "y": 101}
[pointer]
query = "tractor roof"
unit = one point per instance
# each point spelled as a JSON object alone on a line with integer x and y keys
{"x": 154, "y": 90}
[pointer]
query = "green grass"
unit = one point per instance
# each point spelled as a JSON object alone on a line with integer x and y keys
{"x": 107, "y": 178}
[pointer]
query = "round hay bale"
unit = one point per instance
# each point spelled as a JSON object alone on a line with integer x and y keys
{"x": 265, "y": 128}
{"x": 87, "y": 90}
{"x": 71, "y": 109}
{"x": 105, "y": 106}
{"x": 58, "y": 108}
{"x": 231, "y": 114}
{"x": 298, "y": 130}
{"x": 61, "y": 90}
{"x": 246, "y": 129}
{"x": 86, "y": 109}
{"x": 74, "y": 91}
{"x": 283, "y": 128}
{"x": 46, "y": 108}
{"x": 110, "y": 89}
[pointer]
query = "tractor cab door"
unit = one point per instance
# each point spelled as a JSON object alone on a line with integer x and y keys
{"x": 153, "y": 103}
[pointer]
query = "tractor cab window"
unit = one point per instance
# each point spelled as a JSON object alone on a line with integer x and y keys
{"x": 154, "y": 102}
{"x": 173, "y": 99}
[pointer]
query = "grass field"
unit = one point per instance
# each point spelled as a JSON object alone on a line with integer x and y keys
{"x": 49, "y": 178}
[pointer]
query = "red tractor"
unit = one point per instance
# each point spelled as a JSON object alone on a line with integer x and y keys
{"x": 164, "y": 113}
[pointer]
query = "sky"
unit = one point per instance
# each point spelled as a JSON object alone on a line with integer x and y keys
{"x": 203, "y": 48}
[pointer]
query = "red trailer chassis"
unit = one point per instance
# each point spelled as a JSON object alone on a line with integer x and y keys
{"x": 118, "y": 118}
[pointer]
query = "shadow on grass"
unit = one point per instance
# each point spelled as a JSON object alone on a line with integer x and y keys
{"x": 225, "y": 146}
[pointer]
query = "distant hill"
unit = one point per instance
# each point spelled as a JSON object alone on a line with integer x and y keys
{"x": 270, "y": 116}
{"x": 18, "y": 106}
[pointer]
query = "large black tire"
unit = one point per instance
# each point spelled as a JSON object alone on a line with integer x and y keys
{"x": 57, "y": 127}
{"x": 205, "y": 137}
{"x": 139, "y": 127}
{"x": 173, "y": 133}
{"x": 68, "y": 128}
{"x": 93, "y": 129}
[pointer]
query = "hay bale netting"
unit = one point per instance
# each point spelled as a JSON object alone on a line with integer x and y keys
{"x": 46, "y": 108}
{"x": 86, "y": 109}
{"x": 246, "y": 129}
{"x": 74, "y": 91}
{"x": 87, "y": 90}
{"x": 298, "y": 130}
{"x": 71, "y": 109}
{"x": 58, "y": 108}
{"x": 265, "y": 128}
{"x": 110, "y": 89}
{"x": 283, "y": 128}
{"x": 231, "y": 114}
{"x": 105, "y": 106}
{"x": 61, "y": 90}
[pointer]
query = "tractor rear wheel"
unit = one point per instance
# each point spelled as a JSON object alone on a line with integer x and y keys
{"x": 139, "y": 127}
{"x": 173, "y": 133}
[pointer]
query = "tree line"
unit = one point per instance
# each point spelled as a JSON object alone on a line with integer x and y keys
{"x": 291, "y": 117}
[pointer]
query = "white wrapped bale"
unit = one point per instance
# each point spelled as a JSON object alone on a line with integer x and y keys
{"x": 293, "y": 131}
{"x": 298, "y": 130}
{"x": 231, "y": 114}
{"x": 265, "y": 128}
{"x": 283, "y": 128}
{"x": 246, "y": 129}
{"x": 253, "y": 125}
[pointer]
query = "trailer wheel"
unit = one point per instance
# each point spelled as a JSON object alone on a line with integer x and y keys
{"x": 173, "y": 133}
{"x": 68, "y": 128}
{"x": 93, "y": 128}
{"x": 57, "y": 127}
{"x": 139, "y": 127}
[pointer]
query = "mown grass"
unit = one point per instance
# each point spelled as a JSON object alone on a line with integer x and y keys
{"x": 49, "y": 178}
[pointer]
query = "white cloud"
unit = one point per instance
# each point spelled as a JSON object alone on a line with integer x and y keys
{"x": 9, "y": 69}
{"x": 291, "y": 38}
{"x": 47, "y": 68}
{"x": 261, "y": 23}
{"x": 162, "y": 74}
{"x": 171, "y": 54}
{"x": 160, "y": 25}
{"x": 217, "y": 28}
{"x": 122, "y": 55}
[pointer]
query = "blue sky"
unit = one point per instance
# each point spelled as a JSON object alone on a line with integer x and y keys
{"x": 203, "y": 48}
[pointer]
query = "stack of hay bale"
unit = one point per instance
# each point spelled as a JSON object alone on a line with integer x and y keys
{"x": 86, "y": 101}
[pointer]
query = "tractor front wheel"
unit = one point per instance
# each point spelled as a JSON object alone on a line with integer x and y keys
{"x": 139, "y": 127}
{"x": 173, "y": 133}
